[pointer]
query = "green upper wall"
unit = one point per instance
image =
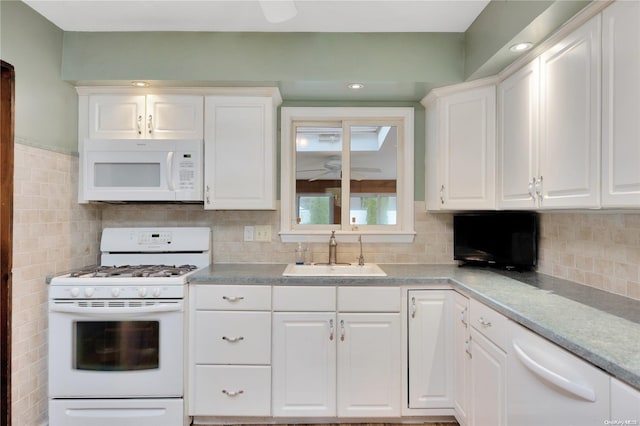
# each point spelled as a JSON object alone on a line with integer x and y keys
{"x": 46, "y": 107}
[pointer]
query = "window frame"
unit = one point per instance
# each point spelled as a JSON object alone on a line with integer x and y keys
{"x": 403, "y": 118}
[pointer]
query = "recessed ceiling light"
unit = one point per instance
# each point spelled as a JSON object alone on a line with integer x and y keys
{"x": 355, "y": 86}
{"x": 521, "y": 47}
{"x": 140, "y": 84}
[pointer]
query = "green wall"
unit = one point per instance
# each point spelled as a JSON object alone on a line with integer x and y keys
{"x": 46, "y": 107}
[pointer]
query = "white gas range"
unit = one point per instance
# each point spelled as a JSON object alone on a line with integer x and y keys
{"x": 116, "y": 346}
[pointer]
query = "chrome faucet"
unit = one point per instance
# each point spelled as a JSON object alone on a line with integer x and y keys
{"x": 361, "y": 257}
{"x": 333, "y": 248}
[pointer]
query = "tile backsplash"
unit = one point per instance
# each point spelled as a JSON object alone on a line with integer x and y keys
{"x": 433, "y": 242}
{"x": 598, "y": 249}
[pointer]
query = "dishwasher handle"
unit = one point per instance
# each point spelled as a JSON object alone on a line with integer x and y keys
{"x": 576, "y": 389}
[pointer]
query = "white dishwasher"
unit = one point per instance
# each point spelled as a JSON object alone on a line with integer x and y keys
{"x": 546, "y": 385}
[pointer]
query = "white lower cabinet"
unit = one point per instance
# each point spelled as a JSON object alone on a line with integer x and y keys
{"x": 462, "y": 358}
{"x": 549, "y": 386}
{"x": 304, "y": 364}
{"x": 431, "y": 337}
{"x": 328, "y": 364}
{"x": 229, "y": 351}
{"x": 488, "y": 367}
{"x": 369, "y": 377}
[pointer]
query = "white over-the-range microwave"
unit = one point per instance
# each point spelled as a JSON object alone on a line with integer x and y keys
{"x": 141, "y": 170}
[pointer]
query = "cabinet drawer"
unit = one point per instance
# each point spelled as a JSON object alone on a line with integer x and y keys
{"x": 369, "y": 299}
{"x": 231, "y": 391}
{"x": 490, "y": 323}
{"x": 232, "y": 337}
{"x": 233, "y": 297}
{"x": 304, "y": 299}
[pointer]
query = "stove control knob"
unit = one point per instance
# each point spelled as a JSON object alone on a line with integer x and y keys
{"x": 88, "y": 291}
{"x": 142, "y": 292}
{"x": 75, "y": 292}
{"x": 115, "y": 292}
{"x": 156, "y": 292}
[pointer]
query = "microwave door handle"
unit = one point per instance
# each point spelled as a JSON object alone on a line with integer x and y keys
{"x": 170, "y": 170}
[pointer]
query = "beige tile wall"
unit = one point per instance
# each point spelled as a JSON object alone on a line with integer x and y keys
{"x": 51, "y": 234}
{"x": 598, "y": 249}
{"x": 433, "y": 242}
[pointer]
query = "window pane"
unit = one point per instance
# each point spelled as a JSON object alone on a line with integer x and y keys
{"x": 373, "y": 209}
{"x": 373, "y": 169}
{"x": 315, "y": 209}
{"x": 318, "y": 173}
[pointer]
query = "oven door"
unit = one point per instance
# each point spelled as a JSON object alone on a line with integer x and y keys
{"x": 115, "y": 348}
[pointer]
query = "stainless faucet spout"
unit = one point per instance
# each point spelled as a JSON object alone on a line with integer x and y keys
{"x": 361, "y": 257}
{"x": 333, "y": 248}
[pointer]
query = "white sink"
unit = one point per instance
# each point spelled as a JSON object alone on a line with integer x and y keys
{"x": 340, "y": 270}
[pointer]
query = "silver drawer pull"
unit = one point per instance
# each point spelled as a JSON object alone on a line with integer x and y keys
{"x": 331, "y": 330}
{"x": 232, "y": 393}
{"x": 233, "y": 298}
{"x": 484, "y": 322}
{"x": 232, "y": 339}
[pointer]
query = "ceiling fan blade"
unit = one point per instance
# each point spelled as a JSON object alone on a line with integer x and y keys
{"x": 310, "y": 170}
{"x": 367, "y": 169}
{"x": 277, "y": 11}
{"x": 316, "y": 177}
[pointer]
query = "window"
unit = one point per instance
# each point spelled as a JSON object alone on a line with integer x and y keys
{"x": 348, "y": 170}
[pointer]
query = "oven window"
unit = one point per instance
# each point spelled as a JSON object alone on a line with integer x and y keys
{"x": 117, "y": 345}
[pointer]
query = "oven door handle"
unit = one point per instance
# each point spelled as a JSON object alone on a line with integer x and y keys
{"x": 95, "y": 311}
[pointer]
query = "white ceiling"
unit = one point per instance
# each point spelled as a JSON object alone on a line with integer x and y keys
{"x": 247, "y": 15}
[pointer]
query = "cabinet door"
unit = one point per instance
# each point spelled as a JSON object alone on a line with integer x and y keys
{"x": 430, "y": 349}
{"x": 369, "y": 367}
{"x": 462, "y": 359}
{"x": 467, "y": 137}
{"x": 488, "y": 383}
{"x": 518, "y": 138}
{"x": 239, "y": 153}
{"x": 569, "y": 161}
{"x": 174, "y": 117}
{"x": 620, "y": 105}
{"x": 304, "y": 364}
{"x": 116, "y": 116}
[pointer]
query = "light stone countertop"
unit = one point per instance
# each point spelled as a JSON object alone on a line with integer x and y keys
{"x": 600, "y": 327}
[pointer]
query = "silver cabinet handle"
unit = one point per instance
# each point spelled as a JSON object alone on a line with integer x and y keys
{"x": 467, "y": 347}
{"x": 233, "y": 299}
{"x": 342, "y": 332}
{"x": 483, "y": 322}
{"x": 463, "y": 316}
{"x": 538, "y": 185}
{"x": 331, "y": 329}
{"x": 413, "y": 307}
{"x": 150, "y": 123}
{"x": 232, "y": 339}
{"x": 442, "y": 194}
{"x": 232, "y": 393}
{"x": 532, "y": 186}
{"x": 207, "y": 195}
{"x": 139, "y": 124}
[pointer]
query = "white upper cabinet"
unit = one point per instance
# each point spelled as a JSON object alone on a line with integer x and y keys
{"x": 549, "y": 133}
{"x": 240, "y": 153}
{"x": 460, "y": 150}
{"x": 128, "y": 116}
{"x": 621, "y": 105}
{"x": 569, "y": 137}
{"x": 517, "y": 151}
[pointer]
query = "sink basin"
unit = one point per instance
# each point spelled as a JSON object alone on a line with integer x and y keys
{"x": 340, "y": 270}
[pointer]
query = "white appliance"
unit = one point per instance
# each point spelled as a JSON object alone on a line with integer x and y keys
{"x": 116, "y": 331}
{"x": 142, "y": 170}
{"x": 549, "y": 386}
